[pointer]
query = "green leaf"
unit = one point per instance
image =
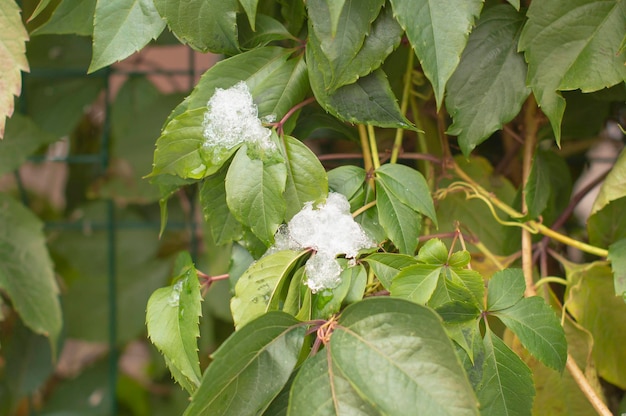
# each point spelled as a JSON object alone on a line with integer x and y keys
{"x": 173, "y": 326}
{"x": 254, "y": 194}
{"x": 22, "y": 138}
{"x": 409, "y": 187}
{"x": 386, "y": 266}
{"x": 267, "y": 30}
{"x": 416, "y": 283}
{"x": 206, "y": 25}
{"x": 396, "y": 355}
{"x": 434, "y": 251}
{"x": 507, "y": 386}
{"x": 328, "y": 302}
{"x": 40, "y": 8}
{"x": 438, "y": 31}
{"x": 546, "y": 182}
{"x": 70, "y": 16}
{"x": 536, "y": 325}
{"x": 259, "y": 284}
{"x": 506, "y": 288}
{"x": 122, "y": 27}
{"x": 489, "y": 86}
{"x": 321, "y": 389}
{"x": 276, "y": 82}
{"x": 617, "y": 257}
{"x": 591, "y": 300}
{"x": 250, "y": 7}
{"x": 294, "y": 14}
{"x": 12, "y": 58}
{"x": 614, "y": 186}
{"x": 608, "y": 225}
{"x": 458, "y": 311}
{"x": 224, "y": 227}
{"x": 26, "y": 271}
{"x": 367, "y": 101}
{"x": 347, "y": 180}
{"x": 306, "y": 177}
{"x": 262, "y": 353}
{"x": 593, "y": 30}
{"x": 400, "y": 222}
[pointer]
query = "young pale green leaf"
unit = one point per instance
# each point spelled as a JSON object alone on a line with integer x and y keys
{"x": 22, "y": 138}
{"x": 347, "y": 180}
{"x": 70, "y": 17}
{"x": 258, "y": 285}
{"x": 396, "y": 354}
{"x": 538, "y": 328}
{"x": 591, "y": 300}
{"x": 614, "y": 186}
{"x": 306, "y": 177}
{"x": 438, "y": 31}
{"x": 224, "y": 227}
{"x": 250, "y": 7}
{"x": 401, "y": 223}
{"x": 409, "y": 187}
{"x": 180, "y": 151}
{"x": 507, "y": 385}
{"x": 593, "y": 31}
{"x": 506, "y": 288}
{"x": 358, "y": 283}
{"x": 12, "y": 58}
{"x": 471, "y": 280}
{"x": 386, "y": 266}
{"x": 254, "y": 194}
{"x": 122, "y": 27}
{"x": 328, "y": 302}
{"x": 321, "y": 389}
{"x": 206, "y": 25}
{"x": 415, "y": 283}
{"x": 434, "y": 251}
{"x": 617, "y": 257}
{"x": 489, "y": 86}
{"x": 452, "y": 291}
{"x": 26, "y": 271}
{"x": 367, "y": 101}
{"x": 172, "y": 319}
{"x": 276, "y": 82}
{"x": 250, "y": 368}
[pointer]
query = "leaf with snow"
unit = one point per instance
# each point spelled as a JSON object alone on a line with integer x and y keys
{"x": 122, "y": 27}
{"x": 12, "y": 58}
{"x": 572, "y": 45}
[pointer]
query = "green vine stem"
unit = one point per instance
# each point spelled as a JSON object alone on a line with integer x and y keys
{"x": 373, "y": 146}
{"x": 406, "y": 92}
{"x": 367, "y": 154}
{"x": 531, "y": 125}
{"x": 550, "y": 279}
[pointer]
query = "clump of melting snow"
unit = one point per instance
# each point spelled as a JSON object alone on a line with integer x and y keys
{"x": 330, "y": 230}
{"x": 233, "y": 118}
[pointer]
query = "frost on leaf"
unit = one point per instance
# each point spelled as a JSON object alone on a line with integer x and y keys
{"x": 330, "y": 230}
{"x": 232, "y": 118}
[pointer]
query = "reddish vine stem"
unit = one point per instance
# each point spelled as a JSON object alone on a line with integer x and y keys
{"x": 292, "y": 110}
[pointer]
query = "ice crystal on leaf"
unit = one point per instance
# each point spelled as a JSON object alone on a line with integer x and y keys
{"x": 232, "y": 118}
{"x": 330, "y": 230}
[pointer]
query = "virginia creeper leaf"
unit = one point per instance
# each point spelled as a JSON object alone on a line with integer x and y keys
{"x": 122, "y": 27}
{"x": 254, "y": 194}
{"x": 401, "y": 223}
{"x": 267, "y": 30}
{"x": 434, "y": 251}
{"x": 262, "y": 353}
{"x": 257, "y": 286}
{"x": 224, "y": 227}
{"x": 415, "y": 283}
{"x": 397, "y": 355}
{"x": 172, "y": 320}
{"x": 489, "y": 86}
{"x": 570, "y": 46}
{"x": 306, "y": 177}
{"x": 250, "y": 7}
{"x": 276, "y": 82}
{"x": 617, "y": 257}
{"x": 438, "y": 31}
{"x": 12, "y": 58}
{"x": 507, "y": 386}
{"x": 614, "y": 186}
{"x": 206, "y": 25}
{"x": 506, "y": 288}
{"x": 40, "y": 8}
{"x": 22, "y": 139}
{"x": 409, "y": 187}
{"x": 347, "y": 180}
{"x": 386, "y": 266}
{"x": 608, "y": 225}
{"x": 536, "y": 325}
{"x": 26, "y": 271}
{"x": 70, "y": 16}
{"x": 549, "y": 181}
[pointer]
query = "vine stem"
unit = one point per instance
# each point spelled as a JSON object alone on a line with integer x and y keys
{"x": 367, "y": 154}
{"x": 363, "y": 209}
{"x": 373, "y": 146}
{"x": 531, "y": 126}
{"x": 586, "y": 388}
{"x": 406, "y": 92}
